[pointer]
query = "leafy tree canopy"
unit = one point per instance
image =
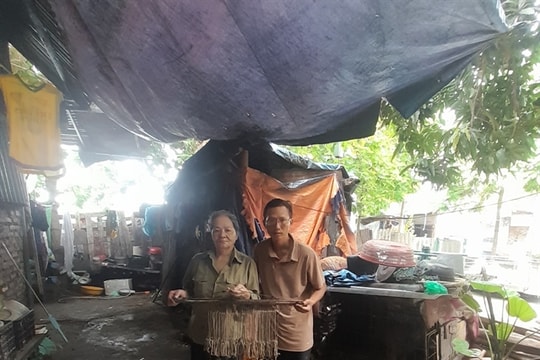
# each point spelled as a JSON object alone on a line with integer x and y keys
{"x": 372, "y": 161}
{"x": 487, "y": 119}
{"x": 482, "y": 125}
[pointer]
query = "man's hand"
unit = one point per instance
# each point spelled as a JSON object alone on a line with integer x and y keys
{"x": 304, "y": 306}
{"x": 175, "y": 296}
{"x": 239, "y": 292}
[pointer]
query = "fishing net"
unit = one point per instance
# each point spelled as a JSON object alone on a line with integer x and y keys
{"x": 244, "y": 329}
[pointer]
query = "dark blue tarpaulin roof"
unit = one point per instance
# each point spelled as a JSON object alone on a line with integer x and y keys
{"x": 293, "y": 72}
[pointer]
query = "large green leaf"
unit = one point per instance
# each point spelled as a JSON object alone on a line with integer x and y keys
{"x": 520, "y": 308}
{"x": 489, "y": 288}
{"x": 462, "y": 347}
{"x": 471, "y": 302}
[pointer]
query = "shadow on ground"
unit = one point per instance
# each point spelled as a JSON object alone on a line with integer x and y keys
{"x": 126, "y": 328}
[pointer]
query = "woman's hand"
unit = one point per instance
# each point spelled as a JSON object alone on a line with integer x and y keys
{"x": 175, "y": 296}
{"x": 240, "y": 292}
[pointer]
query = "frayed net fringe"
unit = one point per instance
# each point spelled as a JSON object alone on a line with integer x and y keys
{"x": 242, "y": 332}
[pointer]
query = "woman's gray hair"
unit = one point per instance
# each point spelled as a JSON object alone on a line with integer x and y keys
{"x": 213, "y": 216}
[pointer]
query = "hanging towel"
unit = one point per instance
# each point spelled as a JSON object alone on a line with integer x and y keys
{"x": 34, "y": 135}
{"x": 67, "y": 240}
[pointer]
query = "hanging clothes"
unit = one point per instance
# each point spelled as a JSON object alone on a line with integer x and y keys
{"x": 33, "y": 132}
{"x": 152, "y": 219}
{"x": 312, "y": 202}
{"x": 67, "y": 240}
{"x": 40, "y": 224}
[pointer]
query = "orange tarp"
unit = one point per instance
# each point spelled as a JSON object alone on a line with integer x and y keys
{"x": 311, "y": 204}
{"x": 346, "y": 241}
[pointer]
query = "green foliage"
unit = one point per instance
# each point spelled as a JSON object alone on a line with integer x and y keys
{"x": 39, "y": 186}
{"x": 175, "y": 154}
{"x": 82, "y": 194}
{"x": 462, "y": 347}
{"x": 499, "y": 328}
{"x": 471, "y": 302}
{"x": 25, "y": 70}
{"x": 484, "y": 121}
{"x": 532, "y": 172}
{"x": 184, "y": 149}
{"x": 383, "y": 177}
{"x": 520, "y": 308}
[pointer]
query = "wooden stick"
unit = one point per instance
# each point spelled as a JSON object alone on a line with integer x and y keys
{"x": 241, "y": 302}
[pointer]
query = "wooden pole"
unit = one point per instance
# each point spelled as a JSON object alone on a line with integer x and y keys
{"x": 497, "y": 223}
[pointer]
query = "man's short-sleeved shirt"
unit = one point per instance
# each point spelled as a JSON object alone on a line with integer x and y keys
{"x": 295, "y": 277}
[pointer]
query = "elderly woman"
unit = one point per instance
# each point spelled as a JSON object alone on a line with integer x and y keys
{"x": 222, "y": 273}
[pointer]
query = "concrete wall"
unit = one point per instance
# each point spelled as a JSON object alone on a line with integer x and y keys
{"x": 11, "y": 233}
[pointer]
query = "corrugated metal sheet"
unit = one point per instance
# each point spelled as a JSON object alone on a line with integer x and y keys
{"x": 12, "y": 185}
{"x": 31, "y": 28}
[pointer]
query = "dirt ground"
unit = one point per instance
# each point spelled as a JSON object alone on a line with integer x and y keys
{"x": 135, "y": 328}
{"x": 129, "y": 328}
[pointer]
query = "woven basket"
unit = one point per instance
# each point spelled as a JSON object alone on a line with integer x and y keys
{"x": 387, "y": 253}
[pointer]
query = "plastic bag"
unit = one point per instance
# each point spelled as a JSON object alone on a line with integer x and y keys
{"x": 434, "y": 288}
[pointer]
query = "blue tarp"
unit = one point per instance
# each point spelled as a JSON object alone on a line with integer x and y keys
{"x": 291, "y": 72}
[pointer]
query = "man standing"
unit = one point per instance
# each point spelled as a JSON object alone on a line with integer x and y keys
{"x": 289, "y": 270}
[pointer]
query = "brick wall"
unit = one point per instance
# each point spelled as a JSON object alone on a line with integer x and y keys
{"x": 11, "y": 233}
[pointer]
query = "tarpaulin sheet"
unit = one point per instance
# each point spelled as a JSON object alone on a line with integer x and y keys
{"x": 103, "y": 140}
{"x": 311, "y": 204}
{"x": 294, "y": 72}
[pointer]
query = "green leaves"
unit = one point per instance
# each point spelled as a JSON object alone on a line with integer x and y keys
{"x": 500, "y": 326}
{"x": 462, "y": 347}
{"x": 503, "y": 331}
{"x": 25, "y": 70}
{"x": 486, "y": 119}
{"x": 383, "y": 177}
{"x": 471, "y": 302}
{"x": 520, "y": 308}
{"x": 489, "y": 288}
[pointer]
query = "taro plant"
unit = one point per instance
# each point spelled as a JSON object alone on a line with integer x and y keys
{"x": 501, "y": 322}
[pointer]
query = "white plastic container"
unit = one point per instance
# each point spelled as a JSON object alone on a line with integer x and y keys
{"x": 113, "y": 287}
